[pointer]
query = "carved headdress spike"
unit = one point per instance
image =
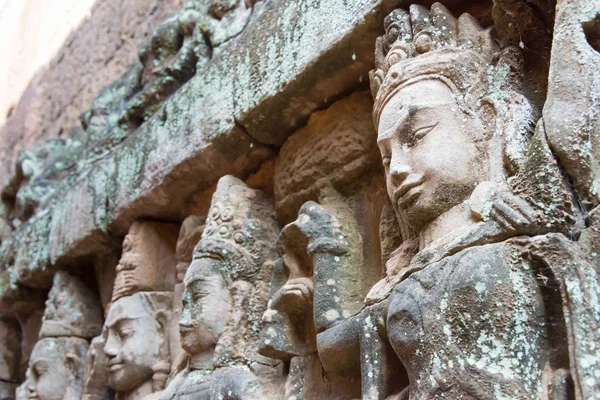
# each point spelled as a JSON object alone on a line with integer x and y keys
{"x": 240, "y": 230}
{"x": 433, "y": 42}
{"x": 148, "y": 259}
{"x": 72, "y": 309}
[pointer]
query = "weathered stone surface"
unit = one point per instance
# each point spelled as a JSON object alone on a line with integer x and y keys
{"x": 225, "y": 295}
{"x": 570, "y": 115}
{"x": 10, "y": 350}
{"x": 72, "y": 316}
{"x": 475, "y": 276}
{"x": 336, "y": 147}
{"x": 136, "y": 330}
{"x": 95, "y": 54}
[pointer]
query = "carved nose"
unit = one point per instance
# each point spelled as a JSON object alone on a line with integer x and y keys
{"x": 109, "y": 349}
{"x": 399, "y": 172}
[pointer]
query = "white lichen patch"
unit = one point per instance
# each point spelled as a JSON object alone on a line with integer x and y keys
{"x": 332, "y": 315}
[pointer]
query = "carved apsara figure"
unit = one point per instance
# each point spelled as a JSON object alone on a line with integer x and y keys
{"x": 136, "y": 327}
{"x": 189, "y": 235}
{"x": 72, "y": 317}
{"x": 479, "y": 312}
{"x": 225, "y": 295}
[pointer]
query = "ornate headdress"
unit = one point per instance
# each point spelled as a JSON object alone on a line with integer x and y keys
{"x": 431, "y": 44}
{"x": 148, "y": 259}
{"x": 240, "y": 230}
{"x": 72, "y": 309}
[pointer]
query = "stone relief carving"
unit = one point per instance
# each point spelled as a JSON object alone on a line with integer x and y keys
{"x": 180, "y": 46}
{"x": 225, "y": 294}
{"x": 95, "y": 385}
{"x": 136, "y": 342}
{"x": 72, "y": 317}
{"x": 487, "y": 246}
{"x": 189, "y": 235}
{"x": 477, "y": 312}
{"x": 37, "y": 171}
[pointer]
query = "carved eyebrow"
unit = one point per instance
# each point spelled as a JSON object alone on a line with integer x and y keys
{"x": 398, "y": 125}
{"x": 408, "y": 115}
{"x": 192, "y": 282}
{"x": 119, "y": 321}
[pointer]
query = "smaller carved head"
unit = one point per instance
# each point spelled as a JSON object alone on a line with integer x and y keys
{"x": 56, "y": 368}
{"x": 72, "y": 309}
{"x": 227, "y": 265}
{"x": 206, "y": 306}
{"x": 135, "y": 338}
{"x": 73, "y": 315}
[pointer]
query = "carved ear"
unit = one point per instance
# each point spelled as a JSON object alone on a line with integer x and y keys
{"x": 73, "y": 362}
{"x": 162, "y": 317}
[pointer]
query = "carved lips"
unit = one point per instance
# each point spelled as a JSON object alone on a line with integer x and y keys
{"x": 115, "y": 365}
{"x": 185, "y": 329}
{"x": 408, "y": 193}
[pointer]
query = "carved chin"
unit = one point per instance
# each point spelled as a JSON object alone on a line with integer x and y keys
{"x": 122, "y": 380}
{"x": 197, "y": 341}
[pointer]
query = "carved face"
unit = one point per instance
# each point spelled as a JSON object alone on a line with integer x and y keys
{"x": 133, "y": 341}
{"x": 206, "y": 306}
{"x": 430, "y": 152}
{"x": 48, "y": 375}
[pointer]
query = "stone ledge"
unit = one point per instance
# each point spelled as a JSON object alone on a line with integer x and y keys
{"x": 217, "y": 124}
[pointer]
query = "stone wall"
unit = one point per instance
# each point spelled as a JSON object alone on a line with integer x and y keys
{"x": 318, "y": 200}
{"x": 97, "y": 41}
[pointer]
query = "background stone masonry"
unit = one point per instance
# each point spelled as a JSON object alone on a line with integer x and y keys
{"x": 283, "y": 104}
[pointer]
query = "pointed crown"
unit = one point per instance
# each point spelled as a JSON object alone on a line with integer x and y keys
{"x": 460, "y": 52}
{"x": 430, "y": 43}
{"x": 72, "y": 309}
{"x": 148, "y": 259}
{"x": 240, "y": 230}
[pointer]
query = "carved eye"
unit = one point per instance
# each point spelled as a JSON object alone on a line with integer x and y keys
{"x": 40, "y": 368}
{"x": 386, "y": 160}
{"x": 198, "y": 295}
{"x": 422, "y": 132}
{"x": 125, "y": 333}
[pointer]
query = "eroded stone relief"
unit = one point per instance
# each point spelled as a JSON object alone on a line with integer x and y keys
{"x": 72, "y": 317}
{"x": 136, "y": 341}
{"x": 225, "y": 294}
{"x": 435, "y": 239}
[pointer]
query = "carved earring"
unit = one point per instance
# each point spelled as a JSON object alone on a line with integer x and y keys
{"x": 162, "y": 368}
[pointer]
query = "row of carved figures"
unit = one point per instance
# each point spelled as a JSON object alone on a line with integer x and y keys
{"x": 493, "y": 292}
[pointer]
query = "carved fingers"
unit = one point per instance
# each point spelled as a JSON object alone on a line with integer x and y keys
{"x": 493, "y": 202}
{"x": 511, "y": 212}
{"x": 294, "y": 297}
